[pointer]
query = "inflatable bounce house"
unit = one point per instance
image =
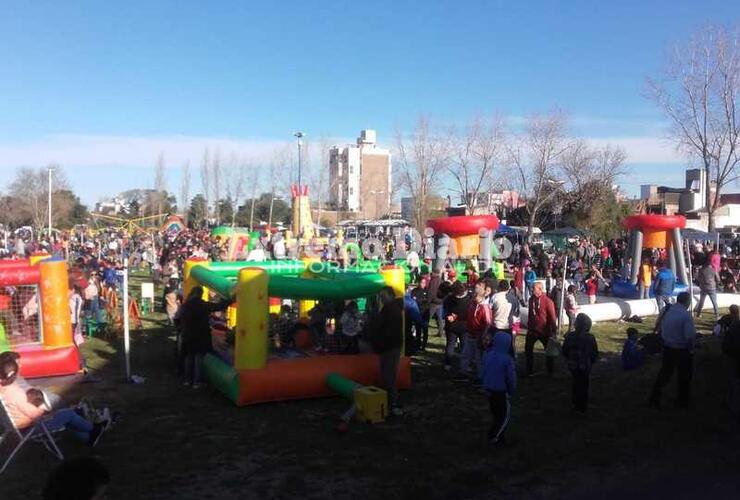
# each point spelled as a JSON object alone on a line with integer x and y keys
{"x": 466, "y": 236}
{"x": 249, "y": 373}
{"x": 238, "y": 240}
{"x": 34, "y": 316}
{"x": 302, "y": 213}
{"x": 172, "y": 225}
{"x": 647, "y": 232}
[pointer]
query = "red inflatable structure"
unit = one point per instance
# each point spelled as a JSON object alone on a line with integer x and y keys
{"x": 42, "y": 331}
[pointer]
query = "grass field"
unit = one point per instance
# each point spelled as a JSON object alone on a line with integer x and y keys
{"x": 178, "y": 443}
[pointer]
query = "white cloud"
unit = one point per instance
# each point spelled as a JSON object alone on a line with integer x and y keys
{"x": 643, "y": 149}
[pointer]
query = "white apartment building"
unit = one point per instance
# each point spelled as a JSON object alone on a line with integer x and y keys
{"x": 360, "y": 177}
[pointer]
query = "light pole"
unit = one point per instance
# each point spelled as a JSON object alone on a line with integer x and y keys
{"x": 51, "y": 169}
{"x": 299, "y": 135}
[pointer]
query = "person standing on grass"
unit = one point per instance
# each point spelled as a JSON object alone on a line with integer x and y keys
{"x": 529, "y": 278}
{"x": 477, "y": 324}
{"x": 194, "y": 321}
{"x": 499, "y": 380}
{"x": 456, "y": 313}
{"x": 645, "y": 279}
{"x": 679, "y": 337}
{"x": 501, "y": 307}
{"x": 386, "y": 337}
{"x": 665, "y": 283}
{"x": 708, "y": 282}
{"x": 581, "y": 351}
{"x": 592, "y": 286}
{"x": 571, "y": 306}
{"x": 541, "y": 325}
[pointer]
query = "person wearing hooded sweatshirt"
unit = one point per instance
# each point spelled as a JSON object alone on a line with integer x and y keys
{"x": 499, "y": 380}
{"x": 581, "y": 351}
{"x": 665, "y": 282}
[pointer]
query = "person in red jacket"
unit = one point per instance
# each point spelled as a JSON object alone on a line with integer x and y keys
{"x": 479, "y": 318}
{"x": 541, "y": 325}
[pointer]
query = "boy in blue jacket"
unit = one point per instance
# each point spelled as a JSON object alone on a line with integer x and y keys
{"x": 499, "y": 380}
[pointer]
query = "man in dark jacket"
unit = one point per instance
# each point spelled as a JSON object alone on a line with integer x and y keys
{"x": 193, "y": 320}
{"x": 386, "y": 338}
{"x": 581, "y": 351}
{"x": 541, "y": 325}
{"x": 456, "y": 314}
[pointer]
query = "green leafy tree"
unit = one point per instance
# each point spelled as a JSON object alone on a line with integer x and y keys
{"x": 197, "y": 213}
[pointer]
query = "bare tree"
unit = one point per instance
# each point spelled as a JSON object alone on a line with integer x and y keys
{"x": 422, "y": 159}
{"x": 698, "y": 92}
{"x": 205, "y": 180}
{"x": 584, "y": 166}
{"x": 235, "y": 175}
{"x": 216, "y": 184}
{"x": 185, "y": 191}
{"x": 279, "y": 166}
{"x": 537, "y": 156}
{"x": 160, "y": 185}
{"x": 474, "y": 154}
{"x": 30, "y": 188}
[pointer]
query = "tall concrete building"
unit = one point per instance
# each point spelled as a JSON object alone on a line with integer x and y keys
{"x": 360, "y": 177}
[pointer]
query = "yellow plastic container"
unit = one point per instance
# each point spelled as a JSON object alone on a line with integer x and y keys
{"x": 371, "y": 403}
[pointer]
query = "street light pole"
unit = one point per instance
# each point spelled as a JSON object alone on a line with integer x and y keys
{"x": 299, "y": 136}
{"x": 51, "y": 169}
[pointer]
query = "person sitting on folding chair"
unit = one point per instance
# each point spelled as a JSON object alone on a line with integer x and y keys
{"x": 24, "y": 414}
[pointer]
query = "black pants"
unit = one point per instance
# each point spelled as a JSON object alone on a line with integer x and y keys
{"x": 501, "y": 412}
{"x": 680, "y": 360}
{"x": 581, "y": 380}
{"x": 529, "y": 343}
{"x": 422, "y": 330}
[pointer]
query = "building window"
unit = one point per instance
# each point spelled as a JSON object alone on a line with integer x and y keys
{"x": 350, "y": 191}
{"x": 350, "y": 169}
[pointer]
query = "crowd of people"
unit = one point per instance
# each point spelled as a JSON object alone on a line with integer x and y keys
{"x": 478, "y": 313}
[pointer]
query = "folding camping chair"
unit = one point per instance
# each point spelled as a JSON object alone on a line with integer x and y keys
{"x": 37, "y": 432}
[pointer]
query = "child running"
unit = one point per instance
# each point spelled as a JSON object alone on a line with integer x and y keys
{"x": 499, "y": 380}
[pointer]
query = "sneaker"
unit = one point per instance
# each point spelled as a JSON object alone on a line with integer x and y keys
{"x": 96, "y": 433}
{"x": 196, "y": 386}
{"x": 185, "y": 384}
{"x": 397, "y": 411}
{"x": 448, "y": 368}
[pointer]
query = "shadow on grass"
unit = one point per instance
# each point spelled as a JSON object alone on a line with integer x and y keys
{"x": 176, "y": 442}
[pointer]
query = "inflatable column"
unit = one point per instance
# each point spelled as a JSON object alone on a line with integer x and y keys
{"x": 189, "y": 282}
{"x": 250, "y": 345}
{"x": 443, "y": 248}
{"x": 304, "y": 306}
{"x": 677, "y": 243}
{"x": 395, "y": 277}
{"x": 486, "y": 237}
{"x": 636, "y": 255}
{"x": 54, "y": 292}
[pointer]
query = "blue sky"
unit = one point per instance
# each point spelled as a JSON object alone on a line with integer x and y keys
{"x": 103, "y": 86}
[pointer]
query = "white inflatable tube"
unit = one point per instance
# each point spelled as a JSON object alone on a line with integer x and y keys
{"x": 622, "y": 309}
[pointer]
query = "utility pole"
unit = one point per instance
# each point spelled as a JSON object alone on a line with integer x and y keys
{"x": 299, "y": 136}
{"x": 51, "y": 169}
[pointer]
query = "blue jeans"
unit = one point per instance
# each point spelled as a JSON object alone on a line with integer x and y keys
{"x": 471, "y": 353}
{"x": 70, "y": 420}
{"x": 713, "y": 297}
{"x": 663, "y": 300}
